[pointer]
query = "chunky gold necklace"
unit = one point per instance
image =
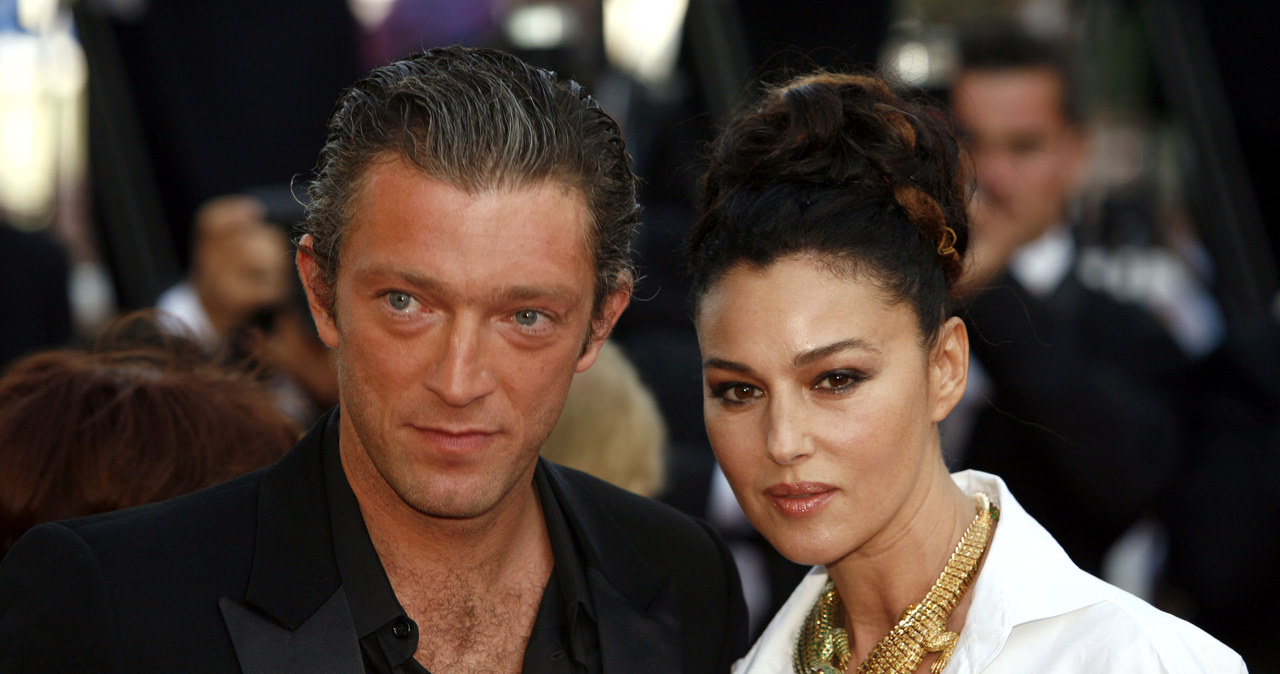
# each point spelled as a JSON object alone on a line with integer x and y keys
{"x": 823, "y": 645}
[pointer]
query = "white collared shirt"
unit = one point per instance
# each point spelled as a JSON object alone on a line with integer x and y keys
{"x": 1033, "y": 610}
{"x": 184, "y": 314}
{"x": 1040, "y": 266}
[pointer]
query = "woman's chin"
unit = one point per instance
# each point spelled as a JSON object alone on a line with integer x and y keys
{"x": 804, "y": 552}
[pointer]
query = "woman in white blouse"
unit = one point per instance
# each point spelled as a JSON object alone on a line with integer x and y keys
{"x": 833, "y": 235}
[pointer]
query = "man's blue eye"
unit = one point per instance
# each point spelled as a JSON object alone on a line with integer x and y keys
{"x": 399, "y": 301}
{"x": 528, "y": 317}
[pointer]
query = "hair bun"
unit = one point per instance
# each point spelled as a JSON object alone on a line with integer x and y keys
{"x": 855, "y": 132}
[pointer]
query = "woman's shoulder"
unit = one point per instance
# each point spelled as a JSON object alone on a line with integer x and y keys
{"x": 1034, "y": 610}
{"x": 1121, "y": 633}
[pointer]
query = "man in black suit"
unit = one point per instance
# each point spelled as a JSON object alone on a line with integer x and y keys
{"x": 465, "y": 253}
{"x": 1075, "y": 392}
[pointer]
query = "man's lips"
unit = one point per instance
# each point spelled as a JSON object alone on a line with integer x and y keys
{"x": 457, "y": 440}
{"x": 798, "y": 499}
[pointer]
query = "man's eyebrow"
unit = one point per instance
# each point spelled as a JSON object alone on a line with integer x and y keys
{"x": 851, "y": 344}
{"x": 532, "y": 292}
{"x": 509, "y": 293}
{"x": 408, "y": 277}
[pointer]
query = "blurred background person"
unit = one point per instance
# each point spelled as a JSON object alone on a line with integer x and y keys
{"x": 201, "y": 119}
{"x": 240, "y": 266}
{"x": 140, "y": 417}
{"x": 241, "y": 298}
{"x": 1164, "y": 234}
{"x": 1075, "y": 398}
{"x": 611, "y": 426}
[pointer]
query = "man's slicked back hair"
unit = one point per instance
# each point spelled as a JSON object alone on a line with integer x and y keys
{"x": 479, "y": 120}
{"x": 1003, "y": 45}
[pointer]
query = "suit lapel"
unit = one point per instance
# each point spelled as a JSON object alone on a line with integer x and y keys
{"x": 324, "y": 643}
{"x": 634, "y": 639}
{"x": 636, "y": 609}
{"x": 294, "y": 610}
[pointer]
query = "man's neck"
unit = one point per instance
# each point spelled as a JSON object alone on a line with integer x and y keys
{"x": 488, "y": 544}
{"x": 463, "y": 580}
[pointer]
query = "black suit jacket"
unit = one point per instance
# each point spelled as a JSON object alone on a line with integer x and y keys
{"x": 242, "y": 577}
{"x": 1083, "y": 423}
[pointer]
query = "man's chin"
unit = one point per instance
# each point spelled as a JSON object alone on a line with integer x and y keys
{"x": 460, "y": 501}
{"x": 453, "y": 512}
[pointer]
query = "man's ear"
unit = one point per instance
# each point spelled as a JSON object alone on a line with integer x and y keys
{"x": 949, "y": 367}
{"x": 319, "y": 293}
{"x": 614, "y": 304}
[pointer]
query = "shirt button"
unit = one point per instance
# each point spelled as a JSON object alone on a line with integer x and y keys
{"x": 401, "y": 629}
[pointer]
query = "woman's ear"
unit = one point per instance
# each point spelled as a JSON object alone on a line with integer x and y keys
{"x": 949, "y": 367}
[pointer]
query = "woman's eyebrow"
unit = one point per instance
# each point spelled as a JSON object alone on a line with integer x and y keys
{"x": 722, "y": 364}
{"x": 851, "y": 344}
{"x": 801, "y": 359}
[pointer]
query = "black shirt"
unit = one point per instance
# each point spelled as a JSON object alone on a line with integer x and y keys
{"x": 564, "y": 639}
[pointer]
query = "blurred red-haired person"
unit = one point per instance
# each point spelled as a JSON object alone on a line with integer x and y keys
{"x": 140, "y": 417}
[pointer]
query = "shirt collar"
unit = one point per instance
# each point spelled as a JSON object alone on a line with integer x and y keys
{"x": 1040, "y": 266}
{"x": 373, "y": 602}
{"x": 1011, "y": 589}
{"x": 570, "y": 572}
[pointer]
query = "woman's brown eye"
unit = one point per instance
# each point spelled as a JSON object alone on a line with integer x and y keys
{"x": 739, "y": 392}
{"x": 839, "y": 381}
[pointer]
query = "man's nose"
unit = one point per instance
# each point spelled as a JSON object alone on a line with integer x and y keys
{"x": 461, "y": 372}
{"x": 992, "y": 171}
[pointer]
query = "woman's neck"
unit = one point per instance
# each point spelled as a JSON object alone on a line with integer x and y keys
{"x": 898, "y": 567}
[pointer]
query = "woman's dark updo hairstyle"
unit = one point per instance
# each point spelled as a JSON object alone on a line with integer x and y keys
{"x": 841, "y": 168}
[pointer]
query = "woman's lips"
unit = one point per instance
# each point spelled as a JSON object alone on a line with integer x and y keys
{"x": 800, "y": 499}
